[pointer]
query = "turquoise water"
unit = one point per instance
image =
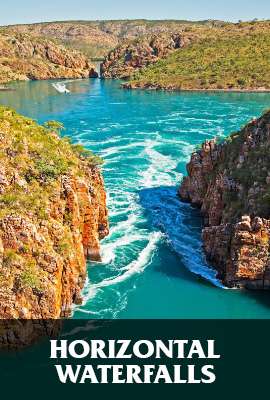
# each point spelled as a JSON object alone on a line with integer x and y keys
{"x": 153, "y": 266}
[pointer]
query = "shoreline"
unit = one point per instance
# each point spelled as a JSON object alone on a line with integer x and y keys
{"x": 160, "y": 89}
{"x": 5, "y": 89}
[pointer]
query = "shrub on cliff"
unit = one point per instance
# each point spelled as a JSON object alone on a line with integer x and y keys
{"x": 52, "y": 216}
{"x": 232, "y": 60}
{"x": 230, "y": 182}
{"x": 34, "y": 158}
{"x": 24, "y": 56}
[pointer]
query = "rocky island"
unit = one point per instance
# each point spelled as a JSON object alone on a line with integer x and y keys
{"x": 230, "y": 183}
{"x": 52, "y": 215}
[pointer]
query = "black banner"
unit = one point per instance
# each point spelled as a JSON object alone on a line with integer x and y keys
{"x": 241, "y": 370}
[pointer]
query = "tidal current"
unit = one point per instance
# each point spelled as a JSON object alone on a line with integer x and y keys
{"x": 153, "y": 265}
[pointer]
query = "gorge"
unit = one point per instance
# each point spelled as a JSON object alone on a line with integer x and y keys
{"x": 145, "y": 140}
{"x": 160, "y": 55}
{"x": 206, "y": 80}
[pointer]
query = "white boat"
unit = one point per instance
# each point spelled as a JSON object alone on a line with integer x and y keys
{"x": 60, "y": 87}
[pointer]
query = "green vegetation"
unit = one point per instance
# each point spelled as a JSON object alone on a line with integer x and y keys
{"x": 34, "y": 158}
{"x": 94, "y": 51}
{"x": 54, "y": 126}
{"x": 63, "y": 245}
{"x": 81, "y": 151}
{"x": 10, "y": 257}
{"x": 31, "y": 276}
{"x": 244, "y": 158}
{"x": 26, "y": 56}
{"x": 230, "y": 61}
{"x": 96, "y": 38}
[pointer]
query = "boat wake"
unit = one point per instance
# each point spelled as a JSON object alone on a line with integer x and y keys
{"x": 60, "y": 87}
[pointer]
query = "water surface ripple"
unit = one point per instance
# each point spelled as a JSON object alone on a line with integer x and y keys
{"x": 153, "y": 266}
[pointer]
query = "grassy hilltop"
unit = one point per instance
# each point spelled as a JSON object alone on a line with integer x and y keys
{"x": 233, "y": 57}
{"x": 42, "y": 158}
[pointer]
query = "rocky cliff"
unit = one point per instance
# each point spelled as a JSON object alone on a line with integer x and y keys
{"x": 52, "y": 215}
{"x": 24, "y": 57}
{"x": 229, "y": 57}
{"x": 128, "y": 57}
{"x": 97, "y": 38}
{"x": 230, "y": 182}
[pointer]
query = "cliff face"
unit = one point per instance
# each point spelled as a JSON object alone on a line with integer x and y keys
{"x": 230, "y": 183}
{"x": 97, "y": 38}
{"x": 128, "y": 57}
{"x": 52, "y": 215}
{"x": 24, "y": 57}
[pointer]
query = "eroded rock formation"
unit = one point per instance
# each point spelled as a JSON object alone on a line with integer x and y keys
{"x": 52, "y": 216}
{"x": 230, "y": 182}
{"x": 97, "y": 38}
{"x": 24, "y": 57}
{"x": 131, "y": 56}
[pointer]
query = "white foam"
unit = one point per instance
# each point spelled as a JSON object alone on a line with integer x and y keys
{"x": 122, "y": 253}
{"x": 135, "y": 267}
{"x": 118, "y": 149}
{"x": 126, "y": 224}
{"x": 161, "y": 169}
{"x": 108, "y": 249}
{"x": 116, "y": 104}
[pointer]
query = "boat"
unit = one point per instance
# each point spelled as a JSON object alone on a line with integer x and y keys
{"x": 5, "y": 89}
{"x": 60, "y": 87}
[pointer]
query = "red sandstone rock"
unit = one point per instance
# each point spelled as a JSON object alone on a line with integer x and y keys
{"x": 43, "y": 255}
{"x": 128, "y": 57}
{"x": 228, "y": 182}
{"x": 23, "y": 57}
{"x": 67, "y": 271}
